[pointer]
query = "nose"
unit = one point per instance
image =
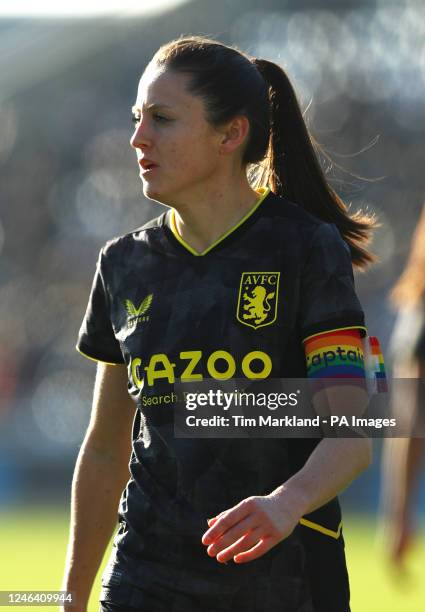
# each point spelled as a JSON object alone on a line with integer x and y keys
{"x": 140, "y": 137}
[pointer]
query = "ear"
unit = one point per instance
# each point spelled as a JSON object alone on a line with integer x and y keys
{"x": 234, "y": 134}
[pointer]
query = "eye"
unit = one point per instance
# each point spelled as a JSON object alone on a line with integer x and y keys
{"x": 156, "y": 117}
{"x": 160, "y": 118}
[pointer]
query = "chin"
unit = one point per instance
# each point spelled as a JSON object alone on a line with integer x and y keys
{"x": 160, "y": 194}
{"x": 149, "y": 190}
{"x": 151, "y": 193}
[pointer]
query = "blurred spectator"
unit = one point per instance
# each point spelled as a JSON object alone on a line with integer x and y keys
{"x": 8, "y": 380}
{"x": 403, "y": 457}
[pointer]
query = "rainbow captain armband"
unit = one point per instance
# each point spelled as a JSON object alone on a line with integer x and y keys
{"x": 347, "y": 358}
{"x": 376, "y": 378}
{"x": 336, "y": 355}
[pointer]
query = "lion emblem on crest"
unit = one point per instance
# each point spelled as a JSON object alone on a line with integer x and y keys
{"x": 259, "y": 305}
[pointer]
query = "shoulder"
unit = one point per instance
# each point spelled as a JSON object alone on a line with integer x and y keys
{"x": 282, "y": 208}
{"x": 309, "y": 231}
{"x": 124, "y": 245}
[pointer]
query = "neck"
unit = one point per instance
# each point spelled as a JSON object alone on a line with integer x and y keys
{"x": 201, "y": 223}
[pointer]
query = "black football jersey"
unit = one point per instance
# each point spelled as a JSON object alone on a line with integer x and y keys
{"x": 239, "y": 310}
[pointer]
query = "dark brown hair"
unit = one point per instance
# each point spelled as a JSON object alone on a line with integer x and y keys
{"x": 231, "y": 83}
{"x": 410, "y": 287}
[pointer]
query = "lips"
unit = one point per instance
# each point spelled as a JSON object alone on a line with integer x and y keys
{"x": 147, "y": 164}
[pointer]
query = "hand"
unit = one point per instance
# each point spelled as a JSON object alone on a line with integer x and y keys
{"x": 249, "y": 529}
{"x": 399, "y": 542}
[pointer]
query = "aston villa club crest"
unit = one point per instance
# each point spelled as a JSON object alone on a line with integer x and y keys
{"x": 258, "y": 295}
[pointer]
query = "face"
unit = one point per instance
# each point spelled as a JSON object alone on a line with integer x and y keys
{"x": 178, "y": 151}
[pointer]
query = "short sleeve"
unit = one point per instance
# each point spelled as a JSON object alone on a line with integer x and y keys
{"x": 328, "y": 301}
{"x": 96, "y": 338}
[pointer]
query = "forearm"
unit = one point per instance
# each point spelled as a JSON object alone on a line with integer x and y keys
{"x": 331, "y": 467}
{"x": 97, "y": 485}
{"x": 403, "y": 457}
{"x": 406, "y": 458}
{"x": 414, "y": 459}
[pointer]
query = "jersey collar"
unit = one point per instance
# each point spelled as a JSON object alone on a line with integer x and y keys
{"x": 263, "y": 192}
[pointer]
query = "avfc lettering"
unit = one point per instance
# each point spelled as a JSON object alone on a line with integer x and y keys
{"x": 261, "y": 278}
{"x": 161, "y": 367}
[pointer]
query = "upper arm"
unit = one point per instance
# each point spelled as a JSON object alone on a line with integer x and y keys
{"x": 113, "y": 410}
{"x": 328, "y": 301}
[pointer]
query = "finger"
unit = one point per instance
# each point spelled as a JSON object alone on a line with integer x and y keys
{"x": 214, "y": 519}
{"x": 246, "y": 542}
{"x": 232, "y": 535}
{"x": 264, "y": 545}
{"x": 226, "y": 521}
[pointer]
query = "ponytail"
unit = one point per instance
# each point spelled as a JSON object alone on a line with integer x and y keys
{"x": 292, "y": 169}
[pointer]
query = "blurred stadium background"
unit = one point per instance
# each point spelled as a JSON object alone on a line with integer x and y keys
{"x": 69, "y": 182}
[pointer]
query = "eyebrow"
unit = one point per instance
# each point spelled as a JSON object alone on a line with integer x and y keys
{"x": 135, "y": 108}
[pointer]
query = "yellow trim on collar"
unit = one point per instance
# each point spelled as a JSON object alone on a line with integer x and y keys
{"x": 262, "y": 191}
{"x": 324, "y": 530}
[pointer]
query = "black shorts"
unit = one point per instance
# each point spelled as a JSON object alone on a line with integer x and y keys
{"x": 255, "y": 597}
{"x": 309, "y": 578}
